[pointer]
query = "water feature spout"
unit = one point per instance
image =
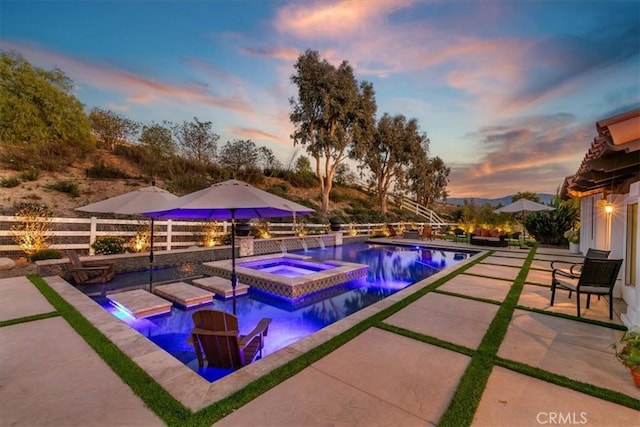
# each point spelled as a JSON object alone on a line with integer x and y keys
{"x": 321, "y": 240}
{"x": 283, "y": 246}
{"x": 304, "y": 245}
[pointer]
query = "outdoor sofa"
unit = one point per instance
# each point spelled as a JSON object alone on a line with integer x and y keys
{"x": 484, "y": 237}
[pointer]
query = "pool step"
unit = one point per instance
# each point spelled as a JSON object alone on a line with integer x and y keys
{"x": 221, "y": 286}
{"x": 140, "y": 303}
{"x": 184, "y": 294}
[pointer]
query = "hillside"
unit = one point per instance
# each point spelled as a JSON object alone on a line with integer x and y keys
{"x": 503, "y": 201}
{"x": 93, "y": 190}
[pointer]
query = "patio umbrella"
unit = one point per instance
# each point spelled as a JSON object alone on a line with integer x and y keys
{"x": 524, "y": 205}
{"x": 229, "y": 200}
{"x": 134, "y": 203}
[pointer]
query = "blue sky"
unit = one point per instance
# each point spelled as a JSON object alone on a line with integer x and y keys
{"x": 507, "y": 91}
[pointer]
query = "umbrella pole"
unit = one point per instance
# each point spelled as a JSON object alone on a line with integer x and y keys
{"x": 234, "y": 278}
{"x": 151, "y": 260}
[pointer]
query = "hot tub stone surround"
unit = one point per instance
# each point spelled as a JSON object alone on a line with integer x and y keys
{"x": 288, "y": 287}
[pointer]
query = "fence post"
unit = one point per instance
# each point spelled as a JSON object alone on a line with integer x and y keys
{"x": 169, "y": 227}
{"x": 92, "y": 234}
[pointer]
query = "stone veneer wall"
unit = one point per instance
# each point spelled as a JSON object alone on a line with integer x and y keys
{"x": 137, "y": 262}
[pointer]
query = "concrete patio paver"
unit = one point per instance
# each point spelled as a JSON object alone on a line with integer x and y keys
{"x": 566, "y": 347}
{"x": 539, "y": 277}
{"x": 50, "y": 376}
{"x": 497, "y": 271}
{"x": 20, "y": 298}
{"x": 478, "y": 287}
{"x": 458, "y": 320}
{"x": 501, "y": 260}
{"x": 511, "y": 399}
{"x": 411, "y": 381}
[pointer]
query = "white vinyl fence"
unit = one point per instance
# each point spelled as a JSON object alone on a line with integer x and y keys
{"x": 80, "y": 233}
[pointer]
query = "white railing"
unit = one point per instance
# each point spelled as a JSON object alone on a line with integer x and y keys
{"x": 409, "y": 204}
{"x": 81, "y": 233}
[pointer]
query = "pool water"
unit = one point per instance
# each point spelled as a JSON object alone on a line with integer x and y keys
{"x": 287, "y": 267}
{"x": 391, "y": 268}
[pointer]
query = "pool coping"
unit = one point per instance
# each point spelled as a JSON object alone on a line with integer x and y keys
{"x": 185, "y": 385}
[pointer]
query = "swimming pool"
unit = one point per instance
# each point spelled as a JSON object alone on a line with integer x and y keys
{"x": 390, "y": 269}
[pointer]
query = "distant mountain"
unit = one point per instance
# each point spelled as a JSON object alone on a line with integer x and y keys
{"x": 458, "y": 201}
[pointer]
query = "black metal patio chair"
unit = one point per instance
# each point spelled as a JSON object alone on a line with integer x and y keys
{"x": 598, "y": 276}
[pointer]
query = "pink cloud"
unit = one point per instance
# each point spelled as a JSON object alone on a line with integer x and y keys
{"x": 254, "y": 134}
{"x": 286, "y": 54}
{"x": 135, "y": 88}
{"x": 333, "y": 19}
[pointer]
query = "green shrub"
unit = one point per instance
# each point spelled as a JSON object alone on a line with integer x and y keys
{"x": 102, "y": 170}
{"x": 109, "y": 245}
{"x": 279, "y": 189}
{"x": 187, "y": 183}
{"x": 46, "y": 254}
{"x": 548, "y": 227}
{"x": 69, "y": 187}
{"x": 31, "y": 175}
{"x": 10, "y": 182}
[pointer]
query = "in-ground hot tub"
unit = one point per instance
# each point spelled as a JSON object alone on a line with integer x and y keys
{"x": 288, "y": 275}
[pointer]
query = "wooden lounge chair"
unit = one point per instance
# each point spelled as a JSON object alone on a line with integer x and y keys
{"x": 215, "y": 338}
{"x": 427, "y": 233}
{"x": 598, "y": 276}
{"x": 87, "y": 273}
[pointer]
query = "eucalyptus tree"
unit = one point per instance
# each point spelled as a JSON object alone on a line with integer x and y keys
{"x": 429, "y": 180}
{"x": 197, "y": 140}
{"x": 331, "y": 114}
{"x": 42, "y": 123}
{"x": 111, "y": 127}
{"x": 395, "y": 146}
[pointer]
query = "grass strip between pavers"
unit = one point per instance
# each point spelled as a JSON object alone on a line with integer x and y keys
{"x": 154, "y": 396}
{"x": 29, "y": 318}
{"x": 466, "y": 398}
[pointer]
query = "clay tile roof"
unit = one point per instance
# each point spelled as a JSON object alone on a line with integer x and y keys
{"x": 612, "y": 162}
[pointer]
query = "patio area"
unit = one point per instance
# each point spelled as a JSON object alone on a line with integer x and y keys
{"x": 544, "y": 363}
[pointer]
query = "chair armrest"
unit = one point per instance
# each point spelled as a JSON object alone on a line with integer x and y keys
{"x": 568, "y": 264}
{"x": 209, "y": 332}
{"x": 576, "y": 272}
{"x": 96, "y": 268}
{"x": 261, "y": 329}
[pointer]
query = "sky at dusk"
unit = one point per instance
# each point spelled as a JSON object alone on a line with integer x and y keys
{"x": 508, "y": 92}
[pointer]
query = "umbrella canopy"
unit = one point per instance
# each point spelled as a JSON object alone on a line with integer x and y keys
{"x": 134, "y": 203}
{"x": 524, "y": 205}
{"x": 232, "y": 200}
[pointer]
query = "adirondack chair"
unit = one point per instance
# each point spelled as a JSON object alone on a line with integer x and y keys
{"x": 87, "y": 273}
{"x": 216, "y": 339}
